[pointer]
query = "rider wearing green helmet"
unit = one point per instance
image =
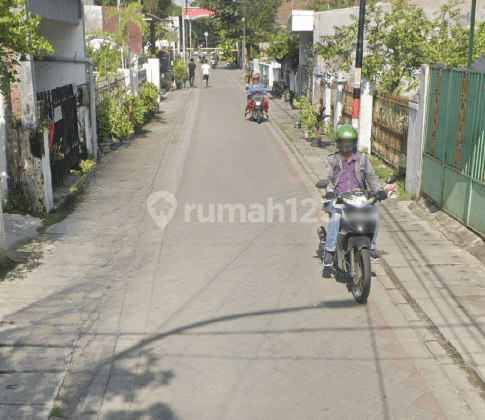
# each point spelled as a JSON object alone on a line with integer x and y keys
{"x": 347, "y": 169}
{"x": 346, "y": 139}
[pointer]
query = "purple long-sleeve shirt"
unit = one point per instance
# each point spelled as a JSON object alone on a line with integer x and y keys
{"x": 348, "y": 180}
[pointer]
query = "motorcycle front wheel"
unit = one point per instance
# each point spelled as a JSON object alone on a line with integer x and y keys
{"x": 361, "y": 282}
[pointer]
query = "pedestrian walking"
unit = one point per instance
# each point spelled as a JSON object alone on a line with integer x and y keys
{"x": 206, "y": 71}
{"x": 191, "y": 71}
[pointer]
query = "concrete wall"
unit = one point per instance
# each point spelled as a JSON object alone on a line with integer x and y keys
{"x": 69, "y": 11}
{"x": 415, "y": 140}
{"x": 93, "y": 18}
{"x": 306, "y": 43}
{"x": 68, "y": 40}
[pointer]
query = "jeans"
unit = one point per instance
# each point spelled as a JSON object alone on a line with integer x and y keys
{"x": 191, "y": 80}
{"x": 334, "y": 225}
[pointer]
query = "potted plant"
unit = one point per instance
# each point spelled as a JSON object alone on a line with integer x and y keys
{"x": 306, "y": 115}
{"x": 319, "y": 121}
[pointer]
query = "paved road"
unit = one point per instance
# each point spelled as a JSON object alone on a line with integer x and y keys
{"x": 208, "y": 318}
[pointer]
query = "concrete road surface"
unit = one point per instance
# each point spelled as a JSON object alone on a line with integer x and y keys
{"x": 222, "y": 314}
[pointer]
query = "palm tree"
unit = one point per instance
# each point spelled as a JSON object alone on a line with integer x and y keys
{"x": 126, "y": 16}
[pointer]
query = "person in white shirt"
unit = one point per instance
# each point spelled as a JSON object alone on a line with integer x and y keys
{"x": 206, "y": 71}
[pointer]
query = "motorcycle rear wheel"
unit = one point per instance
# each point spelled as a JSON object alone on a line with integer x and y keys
{"x": 361, "y": 282}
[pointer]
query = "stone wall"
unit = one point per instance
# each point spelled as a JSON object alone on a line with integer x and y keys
{"x": 24, "y": 146}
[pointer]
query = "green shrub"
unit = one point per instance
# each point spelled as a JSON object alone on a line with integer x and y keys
{"x": 113, "y": 121}
{"x": 87, "y": 165}
{"x": 149, "y": 94}
{"x": 179, "y": 70}
{"x": 18, "y": 202}
{"x": 135, "y": 109}
{"x": 306, "y": 114}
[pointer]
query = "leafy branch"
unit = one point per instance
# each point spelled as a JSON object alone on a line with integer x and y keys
{"x": 18, "y": 38}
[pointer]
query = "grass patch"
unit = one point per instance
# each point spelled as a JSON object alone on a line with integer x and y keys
{"x": 18, "y": 202}
{"x": 6, "y": 267}
{"x": 56, "y": 411}
{"x": 384, "y": 171}
{"x": 283, "y": 128}
{"x": 299, "y": 150}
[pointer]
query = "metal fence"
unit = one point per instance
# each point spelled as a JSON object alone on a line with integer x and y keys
{"x": 142, "y": 78}
{"x": 389, "y": 134}
{"x": 107, "y": 85}
{"x": 454, "y": 149}
{"x": 59, "y": 107}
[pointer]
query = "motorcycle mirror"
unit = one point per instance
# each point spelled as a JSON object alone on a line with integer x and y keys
{"x": 321, "y": 184}
{"x": 392, "y": 179}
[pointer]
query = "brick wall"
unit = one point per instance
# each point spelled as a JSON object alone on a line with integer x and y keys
{"x": 15, "y": 103}
{"x": 111, "y": 25}
{"x": 284, "y": 10}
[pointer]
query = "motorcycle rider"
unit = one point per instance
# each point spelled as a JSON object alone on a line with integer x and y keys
{"x": 347, "y": 169}
{"x": 253, "y": 87}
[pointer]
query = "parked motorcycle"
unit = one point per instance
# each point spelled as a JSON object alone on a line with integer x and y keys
{"x": 258, "y": 109}
{"x": 357, "y": 227}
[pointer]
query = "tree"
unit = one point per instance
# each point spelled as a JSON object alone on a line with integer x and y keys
{"x": 107, "y": 58}
{"x": 397, "y": 43}
{"x": 260, "y": 18}
{"x": 214, "y": 27}
{"x": 284, "y": 46}
{"x": 125, "y": 17}
{"x": 18, "y": 38}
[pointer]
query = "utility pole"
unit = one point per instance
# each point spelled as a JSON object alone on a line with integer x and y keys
{"x": 183, "y": 35}
{"x": 244, "y": 41}
{"x": 472, "y": 34}
{"x": 186, "y": 11}
{"x": 358, "y": 67}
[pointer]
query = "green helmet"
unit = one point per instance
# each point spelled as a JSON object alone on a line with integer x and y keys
{"x": 346, "y": 139}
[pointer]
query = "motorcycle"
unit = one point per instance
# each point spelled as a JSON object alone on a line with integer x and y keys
{"x": 213, "y": 63}
{"x": 258, "y": 109}
{"x": 357, "y": 226}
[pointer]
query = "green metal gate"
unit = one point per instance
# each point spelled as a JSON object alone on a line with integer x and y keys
{"x": 454, "y": 145}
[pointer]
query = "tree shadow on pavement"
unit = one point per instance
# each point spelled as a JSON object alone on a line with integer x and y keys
{"x": 58, "y": 340}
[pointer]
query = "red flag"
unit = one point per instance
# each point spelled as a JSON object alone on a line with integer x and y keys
{"x": 51, "y": 134}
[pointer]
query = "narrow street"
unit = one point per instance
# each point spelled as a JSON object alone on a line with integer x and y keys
{"x": 222, "y": 315}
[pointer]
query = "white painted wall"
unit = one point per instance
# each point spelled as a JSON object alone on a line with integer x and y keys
{"x": 301, "y": 20}
{"x": 365, "y": 120}
{"x": 46, "y": 171}
{"x": 153, "y": 71}
{"x": 68, "y": 40}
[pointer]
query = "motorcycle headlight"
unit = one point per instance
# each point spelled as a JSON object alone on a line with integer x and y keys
{"x": 258, "y": 103}
{"x": 356, "y": 201}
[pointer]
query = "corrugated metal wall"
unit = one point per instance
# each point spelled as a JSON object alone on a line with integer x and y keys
{"x": 454, "y": 149}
